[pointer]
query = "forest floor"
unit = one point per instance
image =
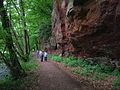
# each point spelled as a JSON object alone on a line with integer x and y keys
{"x": 51, "y": 76}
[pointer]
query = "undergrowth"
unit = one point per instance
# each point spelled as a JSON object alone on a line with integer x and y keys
{"x": 83, "y": 68}
{"x": 9, "y": 84}
{"x": 29, "y": 66}
{"x": 116, "y": 84}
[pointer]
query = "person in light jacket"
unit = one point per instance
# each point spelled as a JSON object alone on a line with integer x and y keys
{"x": 45, "y": 56}
{"x": 40, "y": 54}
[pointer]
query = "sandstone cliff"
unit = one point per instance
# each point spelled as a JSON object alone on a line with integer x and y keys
{"x": 87, "y": 28}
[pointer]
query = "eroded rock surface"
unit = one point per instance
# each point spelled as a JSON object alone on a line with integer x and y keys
{"x": 87, "y": 28}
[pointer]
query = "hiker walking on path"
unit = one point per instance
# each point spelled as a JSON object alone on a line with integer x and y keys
{"x": 45, "y": 55}
{"x": 42, "y": 56}
{"x": 37, "y": 54}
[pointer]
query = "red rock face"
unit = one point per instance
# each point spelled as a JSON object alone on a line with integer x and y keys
{"x": 87, "y": 30}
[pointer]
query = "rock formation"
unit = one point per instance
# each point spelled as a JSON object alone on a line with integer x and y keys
{"x": 87, "y": 28}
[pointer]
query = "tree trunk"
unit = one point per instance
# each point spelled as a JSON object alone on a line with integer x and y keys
{"x": 17, "y": 45}
{"x": 26, "y": 36}
{"x": 14, "y": 65}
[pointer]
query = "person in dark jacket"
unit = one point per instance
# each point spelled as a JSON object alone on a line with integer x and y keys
{"x": 42, "y": 56}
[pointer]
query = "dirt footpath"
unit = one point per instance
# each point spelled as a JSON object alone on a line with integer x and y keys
{"x": 53, "y": 78}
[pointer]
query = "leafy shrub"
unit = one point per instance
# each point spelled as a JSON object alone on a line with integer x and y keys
{"x": 56, "y": 58}
{"x": 116, "y": 72}
{"x": 99, "y": 76}
{"x": 30, "y": 65}
{"x": 116, "y": 84}
{"x": 83, "y": 72}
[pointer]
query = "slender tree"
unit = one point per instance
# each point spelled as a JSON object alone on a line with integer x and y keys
{"x": 19, "y": 48}
{"x": 26, "y": 36}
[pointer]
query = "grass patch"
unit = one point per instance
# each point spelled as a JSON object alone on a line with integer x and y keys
{"x": 30, "y": 65}
{"x": 86, "y": 68}
{"x": 9, "y": 84}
